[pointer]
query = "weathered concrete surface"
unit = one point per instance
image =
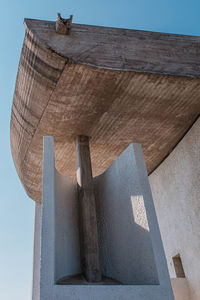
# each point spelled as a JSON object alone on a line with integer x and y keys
{"x": 87, "y": 212}
{"x": 175, "y": 186}
{"x": 60, "y": 249}
{"x": 122, "y": 49}
{"x": 125, "y": 239}
{"x": 67, "y": 87}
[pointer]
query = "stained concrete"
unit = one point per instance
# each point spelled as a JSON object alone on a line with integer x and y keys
{"x": 175, "y": 187}
{"x": 78, "y": 84}
{"x": 58, "y": 253}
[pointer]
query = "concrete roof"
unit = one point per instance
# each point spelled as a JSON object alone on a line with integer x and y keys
{"x": 114, "y": 85}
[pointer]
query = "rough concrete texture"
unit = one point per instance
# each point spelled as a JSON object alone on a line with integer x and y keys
{"x": 78, "y": 84}
{"x": 125, "y": 242}
{"x": 121, "y": 49}
{"x": 59, "y": 235}
{"x": 175, "y": 186}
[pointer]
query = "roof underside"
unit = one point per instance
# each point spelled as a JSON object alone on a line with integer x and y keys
{"x": 107, "y": 83}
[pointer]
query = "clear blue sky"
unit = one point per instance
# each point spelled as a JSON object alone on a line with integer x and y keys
{"x": 17, "y": 210}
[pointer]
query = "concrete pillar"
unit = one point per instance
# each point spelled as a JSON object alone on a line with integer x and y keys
{"x": 87, "y": 212}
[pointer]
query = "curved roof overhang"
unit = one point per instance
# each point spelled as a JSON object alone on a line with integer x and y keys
{"x": 114, "y": 85}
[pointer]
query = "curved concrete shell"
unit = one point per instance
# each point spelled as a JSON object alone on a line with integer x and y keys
{"x": 117, "y": 86}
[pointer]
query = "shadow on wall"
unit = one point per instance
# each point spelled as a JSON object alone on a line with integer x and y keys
{"x": 126, "y": 252}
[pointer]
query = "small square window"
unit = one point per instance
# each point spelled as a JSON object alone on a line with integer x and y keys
{"x": 178, "y": 266}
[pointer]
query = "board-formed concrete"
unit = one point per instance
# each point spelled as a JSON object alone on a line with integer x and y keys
{"x": 58, "y": 253}
{"x": 114, "y": 85}
{"x": 176, "y": 191}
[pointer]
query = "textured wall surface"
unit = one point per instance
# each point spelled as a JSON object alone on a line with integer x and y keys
{"x": 67, "y": 253}
{"x": 121, "y": 49}
{"x": 175, "y": 186}
{"x": 125, "y": 243}
{"x": 88, "y": 92}
{"x": 37, "y": 253}
{"x": 58, "y": 250}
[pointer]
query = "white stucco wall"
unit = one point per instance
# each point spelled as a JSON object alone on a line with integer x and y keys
{"x": 67, "y": 249}
{"x": 126, "y": 252}
{"x": 37, "y": 252}
{"x": 175, "y": 186}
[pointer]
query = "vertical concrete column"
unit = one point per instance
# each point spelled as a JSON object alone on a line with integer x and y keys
{"x": 47, "y": 269}
{"x": 37, "y": 252}
{"x": 88, "y": 222}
